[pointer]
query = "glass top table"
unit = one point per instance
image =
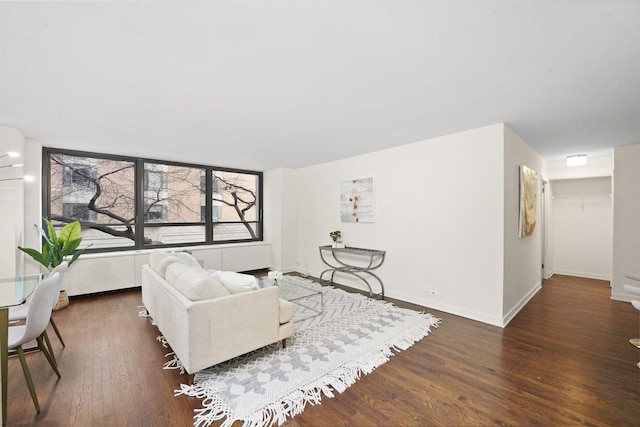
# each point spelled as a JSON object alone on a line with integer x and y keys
{"x": 310, "y": 301}
{"x": 16, "y": 290}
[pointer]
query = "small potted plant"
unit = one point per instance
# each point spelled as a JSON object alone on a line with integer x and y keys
{"x": 336, "y": 236}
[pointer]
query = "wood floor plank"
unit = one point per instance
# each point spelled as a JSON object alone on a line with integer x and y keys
{"x": 563, "y": 360}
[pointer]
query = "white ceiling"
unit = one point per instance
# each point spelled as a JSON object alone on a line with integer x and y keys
{"x": 267, "y": 84}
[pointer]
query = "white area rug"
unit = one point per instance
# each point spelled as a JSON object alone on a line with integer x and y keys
{"x": 328, "y": 353}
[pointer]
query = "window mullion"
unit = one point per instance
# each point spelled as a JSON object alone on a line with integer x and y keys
{"x": 208, "y": 201}
{"x": 139, "y": 207}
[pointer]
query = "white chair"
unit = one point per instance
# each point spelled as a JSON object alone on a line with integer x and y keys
{"x": 19, "y": 312}
{"x": 35, "y": 328}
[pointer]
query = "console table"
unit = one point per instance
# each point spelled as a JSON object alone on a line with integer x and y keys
{"x": 357, "y": 262}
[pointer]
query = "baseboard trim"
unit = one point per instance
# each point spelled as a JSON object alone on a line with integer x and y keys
{"x": 451, "y": 309}
{"x": 583, "y": 274}
{"x": 520, "y": 305}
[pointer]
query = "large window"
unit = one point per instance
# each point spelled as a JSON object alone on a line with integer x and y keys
{"x": 235, "y": 205}
{"x": 98, "y": 192}
{"x": 125, "y": 203}
{"x": 173, "y": 199}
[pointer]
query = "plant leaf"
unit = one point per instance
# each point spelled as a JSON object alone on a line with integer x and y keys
{"x": 43, "y": 234}
{"x": 36, "y": 255}
{"x": 52, "y": 232}
{"x": 51, "y": 253}
{"x": 70, "y": 246}
{"x": 70, "y": 232}
{"x": 76, "y": 255}
{"x": 55, "y": 248}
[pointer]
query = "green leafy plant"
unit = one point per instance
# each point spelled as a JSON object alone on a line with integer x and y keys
{"x": 336, "y": 235}
{"x": 56, "y": 247}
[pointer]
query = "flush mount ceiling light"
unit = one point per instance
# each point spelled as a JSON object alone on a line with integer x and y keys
{"x": 577, "y": 160}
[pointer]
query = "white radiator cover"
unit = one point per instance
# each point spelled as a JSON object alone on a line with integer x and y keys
{"x": 94, "y": 273}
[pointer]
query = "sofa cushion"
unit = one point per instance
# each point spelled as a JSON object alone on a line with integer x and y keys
{"x": 159, "y": 261}
{"x": 194, "y": 282}
{"x": 187, "y": 258}
{"x": 237, "y": 282}
{"x": 177, "y": 268}
{"x": 286, "y": 311}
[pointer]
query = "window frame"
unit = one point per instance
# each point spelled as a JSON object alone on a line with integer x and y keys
{"x": 139, "y": 191}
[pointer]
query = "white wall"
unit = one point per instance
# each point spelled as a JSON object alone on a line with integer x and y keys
{"x": 11, "y": 203}
{"x": 626, "y": 219}
{"x": 446, "y": 213}
{"x": 522, "y": 256}
{"x": 439, "y": 216}
{"x": 274, "y": 214}
{"x": 583, "y": 227}
{"x": 32, "y": 200}
{"x": 279, "y": 224}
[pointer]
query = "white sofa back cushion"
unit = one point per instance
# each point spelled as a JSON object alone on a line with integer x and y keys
{"x": 194, "y": 282}
{"x": 159, "y": 261}
{"x": 187, "y": 258}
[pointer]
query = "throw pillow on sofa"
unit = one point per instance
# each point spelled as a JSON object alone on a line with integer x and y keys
{"x": 236, "y": 282}
{"x": 194, "y": 282}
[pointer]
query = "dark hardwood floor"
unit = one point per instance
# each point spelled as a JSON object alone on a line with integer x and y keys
{"x": 564, "y": 360}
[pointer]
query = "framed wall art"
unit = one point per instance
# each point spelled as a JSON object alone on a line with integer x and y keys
{"x": 528, "y": 201}
{"x": 357, "y": 200}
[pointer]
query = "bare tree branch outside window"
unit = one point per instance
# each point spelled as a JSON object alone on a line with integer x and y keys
{"x": 237, "y": 192}
{"x": 101, "y": 194}
{"x": 101, "y": 189}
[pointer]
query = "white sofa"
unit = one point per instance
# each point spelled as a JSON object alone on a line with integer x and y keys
{"x": 206, "y": 323}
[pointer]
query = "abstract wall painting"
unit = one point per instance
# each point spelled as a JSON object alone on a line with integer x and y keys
{"x": 356, "y": 200}
{"x": 528, "y": 201}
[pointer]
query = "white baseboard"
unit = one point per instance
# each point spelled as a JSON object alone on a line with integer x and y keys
{"x": 451, "y": 309}
{"x": 430, "y": 303}
{"x": 456, "y": 310}
{"x": 523, "y": 301}
{"x": 583, "y": 274}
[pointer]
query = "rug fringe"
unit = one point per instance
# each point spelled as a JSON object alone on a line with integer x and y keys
{"x": 415, "y": 334}
{"x": 163, "y": 341}
{"x": 174, "y": 363}
{"x": 145, "y": 313}
{"x": 338, "y": 380}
